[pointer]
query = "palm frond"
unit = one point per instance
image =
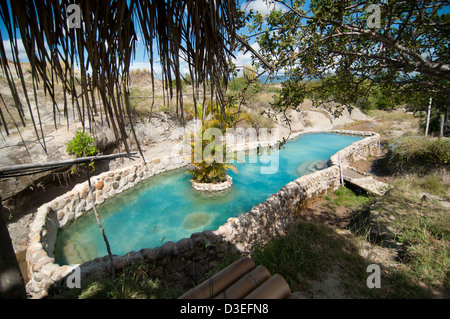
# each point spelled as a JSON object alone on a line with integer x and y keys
{"x": 233, "y": 168}
{"x": 202, "y": 33}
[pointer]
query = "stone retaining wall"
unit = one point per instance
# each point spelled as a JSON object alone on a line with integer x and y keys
{"x": 213, "y": 187}
{"x": 370, "y": 145}
{"x": 179, "y": 264}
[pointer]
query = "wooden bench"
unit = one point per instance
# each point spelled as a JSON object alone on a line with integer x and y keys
{"x": 242, "y": 280}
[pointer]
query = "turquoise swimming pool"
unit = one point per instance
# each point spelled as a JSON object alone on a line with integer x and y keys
{"x": 166, "y": 207}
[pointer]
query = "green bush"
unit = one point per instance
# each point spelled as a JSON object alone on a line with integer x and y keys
{"x": 82, "y": 145}
{"x": 306, "y": 253}
{"x": 418, "y": 154}
{"x": 346, "y": 197}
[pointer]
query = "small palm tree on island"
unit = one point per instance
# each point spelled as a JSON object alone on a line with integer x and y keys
{"x": 209, "y": 153}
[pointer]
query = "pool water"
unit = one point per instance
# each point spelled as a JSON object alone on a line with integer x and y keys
{"x": 166, "y": 207}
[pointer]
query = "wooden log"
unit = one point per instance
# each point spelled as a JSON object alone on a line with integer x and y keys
{"x": 274, "y": 288}
{"x": 23, "y": 169}
{"x": 246, "y": 284}
{"x": 221, "y": 281}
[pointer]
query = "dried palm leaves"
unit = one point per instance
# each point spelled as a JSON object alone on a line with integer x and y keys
{"x": 199, "y": 32}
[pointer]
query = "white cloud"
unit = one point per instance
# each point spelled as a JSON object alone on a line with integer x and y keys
{"x": 9, "y": 54}
{"x": 262, "y": 6}
{"x": 245, "y": 58}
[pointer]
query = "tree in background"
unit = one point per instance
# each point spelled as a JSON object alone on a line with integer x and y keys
{"x": 391, "y": 50}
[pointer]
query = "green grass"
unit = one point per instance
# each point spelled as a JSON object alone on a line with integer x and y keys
{"x": 344, "y": 196}
{"x": 423, "y": 230}
{"x": 310, "y": 250}
{"x": 432, "y": 183}
{"x": 134, "y": 282}
{"x": 383, "y": 115}
{"x": 307, "y": 252}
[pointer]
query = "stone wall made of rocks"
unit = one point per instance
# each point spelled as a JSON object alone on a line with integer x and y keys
{"x": 213, "y": 187}
{"x": 52, "y": 216}
{"x": 370, "y": 145}
{"x": 179, "y": 264}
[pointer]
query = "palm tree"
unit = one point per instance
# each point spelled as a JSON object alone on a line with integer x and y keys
{"x": 202, "y": 33}
{"x": 210, "y": 166}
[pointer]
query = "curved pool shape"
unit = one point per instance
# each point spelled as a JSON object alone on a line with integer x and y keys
{"x": 166, "y": 207}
